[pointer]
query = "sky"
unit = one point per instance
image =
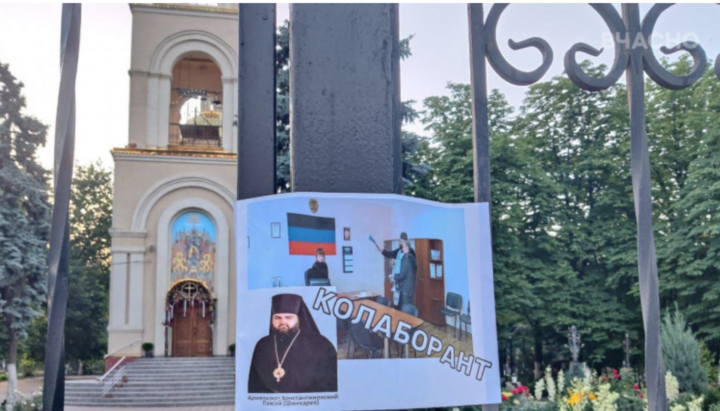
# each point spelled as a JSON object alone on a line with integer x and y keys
{"x": 30, "y": 43}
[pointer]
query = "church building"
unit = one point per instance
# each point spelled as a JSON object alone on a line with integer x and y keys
{"x": 173, "y": 272}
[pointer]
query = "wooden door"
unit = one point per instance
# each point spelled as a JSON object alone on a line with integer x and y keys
{"x": 202, "y": 344}
{"x": 192, "y": 334}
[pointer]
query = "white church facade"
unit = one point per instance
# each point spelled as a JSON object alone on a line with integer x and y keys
{"x": 173, "y": 274}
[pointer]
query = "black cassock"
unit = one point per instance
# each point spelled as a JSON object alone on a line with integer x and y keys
{"x": 310, "y": 365}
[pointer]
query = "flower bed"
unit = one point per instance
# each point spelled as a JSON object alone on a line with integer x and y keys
{"x": 613, "y": 391}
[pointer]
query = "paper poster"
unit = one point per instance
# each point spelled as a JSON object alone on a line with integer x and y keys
{"x": 398, "y": 315}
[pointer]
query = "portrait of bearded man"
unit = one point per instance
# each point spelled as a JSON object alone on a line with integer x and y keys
{"x": 294, "y": 357}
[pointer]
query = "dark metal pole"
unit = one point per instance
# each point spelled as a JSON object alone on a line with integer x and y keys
{"x": 481, "y": 131}
{"x": 478, "y": 78}
{"x": 640, "y": 171}
{"x": 256, "y": 172}
{"x": 344, "y": 98}
{"x": 58, "y": 256}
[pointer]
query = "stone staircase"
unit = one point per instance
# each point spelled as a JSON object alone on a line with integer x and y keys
{"x": 162, "y": 382}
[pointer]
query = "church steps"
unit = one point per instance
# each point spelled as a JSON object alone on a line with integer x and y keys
{"x": 175, "y": 402}
{"x": 178, "y": 372}
{"x": 150, "y": 385}
{"x": 148, "y": 395}
{"x": 168, "y": 382}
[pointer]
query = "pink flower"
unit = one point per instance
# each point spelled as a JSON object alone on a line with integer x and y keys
{"x": 636, "y": 387}
{"x": 642, "y": 395}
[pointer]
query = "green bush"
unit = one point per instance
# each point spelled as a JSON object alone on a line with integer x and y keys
{"x": 3, "y": 377}
{"x": 682, "y": 354}
{"x": 27, "y": 367}
{"x": 148, "y": 346}
{"x": 95, "y": 367}
{"x": 32, "y": 403}
{"x": 707, "y": 358}
{"x": 630, "y": 403}
{"x": 711, "y": 400}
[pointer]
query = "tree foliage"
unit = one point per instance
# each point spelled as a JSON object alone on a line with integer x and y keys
{"x": 24, "y": 215}
{"x": 685, "y": 154}
{"x": 88, "y": 288}
{"x": 563, "y": 221}
{"x": 681, "y": 353}
{"x": 90, "y": 222}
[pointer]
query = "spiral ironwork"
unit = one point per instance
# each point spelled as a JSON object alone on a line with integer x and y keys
{"x": 577, "y": 74}
{"x": 506, "y": 70}
{"x": 621, "y": 41}
{"x": 652, "y": 66}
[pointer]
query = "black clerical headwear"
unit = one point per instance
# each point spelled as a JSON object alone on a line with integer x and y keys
{"x": 294, "y": 304}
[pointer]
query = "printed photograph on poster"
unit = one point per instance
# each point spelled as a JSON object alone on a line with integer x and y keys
{"x": 400, "y": 270}
{"x": 294, "y": 357}
{"x": 401, "y": 295}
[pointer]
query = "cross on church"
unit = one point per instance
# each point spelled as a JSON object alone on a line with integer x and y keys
{"x": 189, "y": 290}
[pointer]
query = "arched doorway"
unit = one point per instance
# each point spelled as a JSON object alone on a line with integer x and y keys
{"x": 191, "y": 314}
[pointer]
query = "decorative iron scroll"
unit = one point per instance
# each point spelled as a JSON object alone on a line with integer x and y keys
{"x": 621, "y": 40}
{"x": 633, "y": 57}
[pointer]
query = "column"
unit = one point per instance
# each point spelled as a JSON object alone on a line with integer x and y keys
{"x": 118, "y": 287}
{"x": 344, "y": 98}
{"x": 151, "y": 134}
{"x": 163, "y": 117}
{"x": 135, "y": 286}
{"x": 228, "y": 114}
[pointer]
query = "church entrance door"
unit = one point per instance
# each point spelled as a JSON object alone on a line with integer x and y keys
{"x": 192, "y": 319}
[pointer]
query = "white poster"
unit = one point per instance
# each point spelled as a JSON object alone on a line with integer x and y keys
{"x": 363, "y": 302}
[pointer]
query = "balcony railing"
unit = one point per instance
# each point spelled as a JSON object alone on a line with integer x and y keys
{"x": 192, "y": 135}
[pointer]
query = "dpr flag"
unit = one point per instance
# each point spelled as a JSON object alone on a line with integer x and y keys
{"x": 307, "y": 233}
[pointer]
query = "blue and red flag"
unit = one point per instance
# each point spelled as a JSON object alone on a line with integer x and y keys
{"x": 307, "y": 233}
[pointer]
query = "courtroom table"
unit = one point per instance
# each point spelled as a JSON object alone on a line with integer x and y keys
{"x": 359, "y": 295}
{"x": 395, "y": 316}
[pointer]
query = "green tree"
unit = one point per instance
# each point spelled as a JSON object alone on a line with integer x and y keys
{"x": 24, "y": 218}
{"x": 282, "y": 107}
{"x": 579, "y": 139}
{"x": 87, "y": 317}
{"x": 682, "y": 353}
{"x": 527, "y": 270}
{"x": 449, "y": 122}
{"x": 686, "y": 170}
{"x": 562, "y": 212}
{"x": 90, "y": 222}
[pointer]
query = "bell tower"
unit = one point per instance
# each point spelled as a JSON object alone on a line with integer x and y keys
{"x": 180, "y": 161}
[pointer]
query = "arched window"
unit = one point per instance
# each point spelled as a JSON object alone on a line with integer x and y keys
{"x": 196, "y": 102}
{"x": 194, "y": 240}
